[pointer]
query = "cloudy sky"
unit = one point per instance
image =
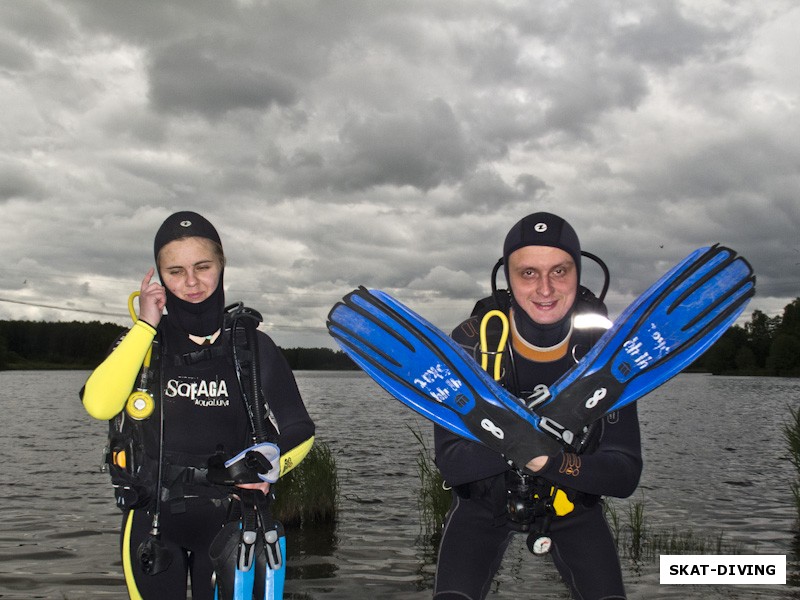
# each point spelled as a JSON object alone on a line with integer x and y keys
{"x": 390, "y": 143}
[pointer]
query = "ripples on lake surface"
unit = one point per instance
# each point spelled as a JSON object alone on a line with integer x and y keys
{"x": 715, "y": 462}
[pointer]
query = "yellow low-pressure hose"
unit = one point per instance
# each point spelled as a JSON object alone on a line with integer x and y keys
{"x": 135, "y": 318}
{"x": 501, "y": 345}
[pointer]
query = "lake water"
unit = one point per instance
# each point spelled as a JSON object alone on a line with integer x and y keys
{"x": 715, "y": 463}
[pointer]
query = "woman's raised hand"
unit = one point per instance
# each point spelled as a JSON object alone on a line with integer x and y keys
{"x": 152, "y": 300}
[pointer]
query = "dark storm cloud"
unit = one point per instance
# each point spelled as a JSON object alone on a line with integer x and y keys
{"x": 391, "y": 144}
{"x": 13, "y": 57}
{"x": 578, "y": 99}
{"x": 549, "y": 73}
{"x": 18, "y": 182}
{"x": 663, "y": 37}
{"x": 747, "y": 162}
{"x": 285, "y": 37}
{"x": 35, "y": 21}
{"x": 422, "y": 147}
{"x": 486, "y": 191}
{"x": 203, "y": 75}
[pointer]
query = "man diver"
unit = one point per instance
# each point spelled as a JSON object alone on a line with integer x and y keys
{"x": 555, "y": 499}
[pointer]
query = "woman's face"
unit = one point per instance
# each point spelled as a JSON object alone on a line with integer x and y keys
{"x": 190, "y": 268}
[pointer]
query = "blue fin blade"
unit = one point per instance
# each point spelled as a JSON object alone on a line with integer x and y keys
{"x": 235, "y": 583}
{"x": 387, "y": 357}
{"x": 427, "y": 371}
{"x": 276, "y": 578}
{"x": 657, "y": 336}
{"x": 243, "y": 584}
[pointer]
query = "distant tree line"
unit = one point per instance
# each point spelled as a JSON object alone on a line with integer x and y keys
{"x": 64, "y": 345}
{"x": 81, "y": 345}
{"x": 764, "y": 346}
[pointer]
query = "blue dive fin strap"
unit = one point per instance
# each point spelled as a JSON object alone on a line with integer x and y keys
{"x": 270, "y": 563}
{"x": 247, "y": 545}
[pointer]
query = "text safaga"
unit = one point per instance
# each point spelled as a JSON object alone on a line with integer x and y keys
{"x": 202, "y": 393}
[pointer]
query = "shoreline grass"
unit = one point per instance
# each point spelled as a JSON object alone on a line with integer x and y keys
{"x": 434, "y": 499}
{"x": 791, "y": 434}
{"x": 637, "y": 538}
{"x": 309, "y": 493}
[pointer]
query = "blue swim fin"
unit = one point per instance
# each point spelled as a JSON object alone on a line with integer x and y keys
{"x": 248, "y": 559}
{"x": 426, "y": 370}
{"x": 683, "y": 313}
{"x": 657, "y": 336}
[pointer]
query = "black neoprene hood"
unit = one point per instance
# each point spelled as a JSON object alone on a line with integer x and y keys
{"x": 206, "y": 317}
{"x": 181, "y": 225}
{"x": 543, "y": 229}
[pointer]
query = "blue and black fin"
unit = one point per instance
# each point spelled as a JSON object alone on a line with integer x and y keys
{"x": 426, "y": 370}
{"x": 657, "y": 336}
{"x": 248, "y": 552}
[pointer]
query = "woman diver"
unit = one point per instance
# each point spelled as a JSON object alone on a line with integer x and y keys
{"x": 205, "y": 413}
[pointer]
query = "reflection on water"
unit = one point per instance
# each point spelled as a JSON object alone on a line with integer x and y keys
{"x": 714, "y": 463}
{"x": 312, "y": 549}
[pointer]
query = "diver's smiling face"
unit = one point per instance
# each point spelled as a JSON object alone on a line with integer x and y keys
{"x": 544, "y": 281}
{"x": 190, "y": 268}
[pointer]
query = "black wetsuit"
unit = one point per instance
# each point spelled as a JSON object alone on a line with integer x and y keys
{"x": 478, "y": 529}
{"x": 203, "y": 411}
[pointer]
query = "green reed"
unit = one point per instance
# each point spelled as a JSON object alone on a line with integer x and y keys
{"x": 309, "y": 493}
{"x": 635, "y": 536}
{"x": 791, "y": 434}
{"x": 638, "y": 540}
{"x": 433, "y": 500}
{"x": 638, "y": 529}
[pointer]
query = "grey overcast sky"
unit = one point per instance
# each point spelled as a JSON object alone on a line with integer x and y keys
{"x": 391, "y": 144}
